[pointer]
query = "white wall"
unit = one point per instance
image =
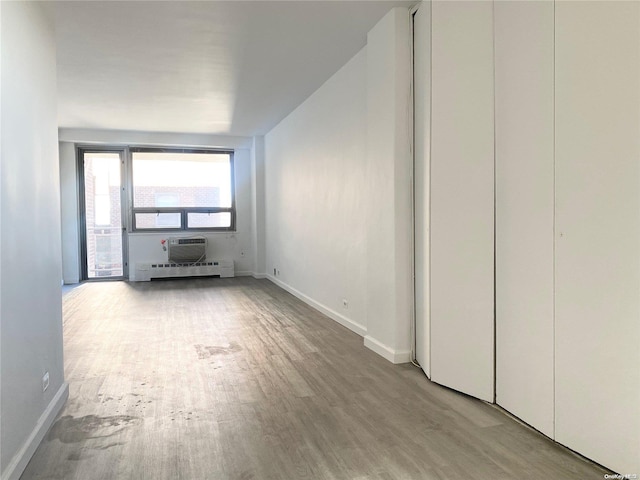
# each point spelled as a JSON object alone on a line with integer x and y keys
{"x": 524, "y": 210}
{"x": 258, "y": 243}
{"x": 31, "y": 273}
{"x": 388, "y": 187}
{"x": 462, "y": 197}
{"x": 69, "y": 214}
{"x": 338, "y": 194}
{"x": 315, "y": 221}
{"x": 597, "y": 342}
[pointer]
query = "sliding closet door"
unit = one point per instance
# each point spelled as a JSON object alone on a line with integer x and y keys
{"x": 524, "y": 210}
{"x": 422, "y": 114}
{"x": 462, "y": 203}
{"x": 597, "y": 332}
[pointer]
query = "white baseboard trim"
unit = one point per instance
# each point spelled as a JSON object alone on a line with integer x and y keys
{"x": 244, "y": 274}
{"x": 394, "y": 356}
{"x": 259, "y": 276}
{"x": 20, "y": 460}
{"x": 332, "y": 314}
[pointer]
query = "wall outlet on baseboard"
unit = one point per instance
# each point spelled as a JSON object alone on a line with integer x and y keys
{"x": 45, "y": 382}
{"x": 345, "y": 303}
{"x": 274, "y": 272}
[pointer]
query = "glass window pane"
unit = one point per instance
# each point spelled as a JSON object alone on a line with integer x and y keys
{"x": 103, "y": 219}
{"x": 158, "y": 220}
{"x": 166, "y": 179}
{"x": 208, "y": 220}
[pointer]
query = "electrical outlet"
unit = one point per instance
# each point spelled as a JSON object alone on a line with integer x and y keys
{"x": 274, "y": 272}
{"x": 45, "y": 381}
{"x": 345, "y": 303}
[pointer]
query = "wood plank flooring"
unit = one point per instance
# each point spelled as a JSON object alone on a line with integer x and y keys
{"x": 237, "y": 379}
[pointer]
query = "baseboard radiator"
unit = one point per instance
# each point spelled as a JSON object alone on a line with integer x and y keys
{"x": 149, "y": 271}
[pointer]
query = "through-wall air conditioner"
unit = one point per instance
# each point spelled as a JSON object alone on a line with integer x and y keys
{"x": 187, "y": 250}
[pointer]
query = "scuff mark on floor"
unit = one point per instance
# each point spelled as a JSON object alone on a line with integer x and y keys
{"x": 207, "y": 351}
{"x": 68, "y": 429}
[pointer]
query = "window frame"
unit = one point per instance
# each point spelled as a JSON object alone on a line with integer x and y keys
{"x": 183, "y": 211}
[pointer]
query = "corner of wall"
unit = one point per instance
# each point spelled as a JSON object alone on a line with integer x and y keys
{"x": 389, "y": 204}
{"x": 258, "y": 242}
{"x": 386, "y": 352}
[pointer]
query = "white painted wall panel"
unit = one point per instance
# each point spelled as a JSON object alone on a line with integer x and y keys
{"x": 524, "y": 210}
{"x": 69, "y": 213}
{"x": 462, "y": 203}
{"x": 597, "y": 303}
{"x": 31, "y": 268}
{"x": 257, "y": 206}
{"x": 387, "y": 187}
{"x": 422, "y": 136}
{"x": 315, "y": 206}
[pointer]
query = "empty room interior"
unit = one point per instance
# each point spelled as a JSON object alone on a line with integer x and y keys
{"x": 320, "y": 239}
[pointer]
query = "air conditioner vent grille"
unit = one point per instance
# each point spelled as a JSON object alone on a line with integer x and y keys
{"x": 191, "y": 241}
{"x": 197, "y": 264}
{"x": 187, "y": 250}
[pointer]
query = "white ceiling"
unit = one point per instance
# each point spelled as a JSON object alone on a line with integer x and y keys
{"x": 217, "y": 67}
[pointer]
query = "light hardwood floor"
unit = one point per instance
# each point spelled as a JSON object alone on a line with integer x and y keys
{"x": 237, "y": 379}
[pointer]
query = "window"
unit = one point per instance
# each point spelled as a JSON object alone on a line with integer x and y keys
{"x": 182, "y": 189}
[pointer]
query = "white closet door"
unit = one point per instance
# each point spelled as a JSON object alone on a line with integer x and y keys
{"x": 462, "y": 203}
{"x": 422, "y": 113}
{"x": 524, "y": 210}
{"x": 597, "y": 301}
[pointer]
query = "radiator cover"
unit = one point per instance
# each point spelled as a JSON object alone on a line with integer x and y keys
{"x": 148, "y": 271}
